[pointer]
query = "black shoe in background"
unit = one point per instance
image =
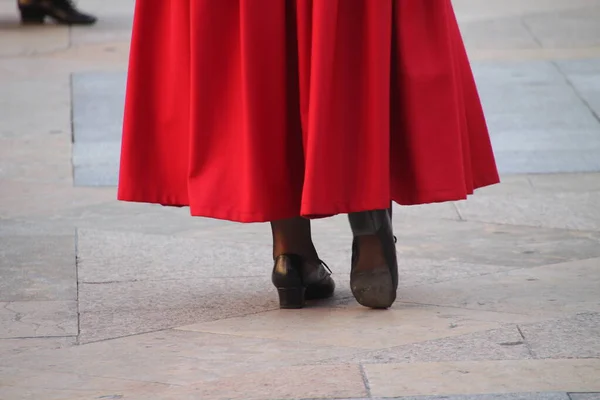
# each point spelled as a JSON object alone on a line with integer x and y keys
{"x": 62, "y": 11}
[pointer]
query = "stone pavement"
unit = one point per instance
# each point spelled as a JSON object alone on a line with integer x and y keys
{"x": 499, "y": 297}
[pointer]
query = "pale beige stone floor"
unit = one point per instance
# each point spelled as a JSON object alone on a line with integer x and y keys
{"x": 499, "y": 294}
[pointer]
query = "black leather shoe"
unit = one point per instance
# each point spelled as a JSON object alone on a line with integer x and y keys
{"x": 297, "y": 281}
{"x": 376, "y": 287}
{"x": 62, "y": 11}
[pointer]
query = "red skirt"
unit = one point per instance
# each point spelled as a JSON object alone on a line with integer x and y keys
{"x": 258, "y": 110}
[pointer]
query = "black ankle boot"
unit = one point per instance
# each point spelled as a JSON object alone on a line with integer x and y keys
{"x": 62, "y": 11}
{"x": 375, "y": 288}
{"x": 296, "y": 281}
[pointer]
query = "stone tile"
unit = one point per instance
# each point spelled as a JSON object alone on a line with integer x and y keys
{"x": 357, "y": 327}
{"x": 98, "y": 106}
{"x": 109, "y": 256}
{"x": 577, "y": 27}
{"x": 547, "y": 162}
{"x": 29, "y": 199}
{"x": 49, "y": 98}
{"x": 546, "y": 127}
{"x": 574, "y": 337}
{"x": 97, "y": 123}
{"x": 102, "y": 57}
{"x": 38, "y": 268}
{"x": 119, "y": 257}
{"x": 39, "y": 159}
{"x": 584, "y": 396}
{"x": 531, "y": 98}
{"x": 17, "y": 384}
{"x": 577, "y": 118}
{"x": 17, "y": 40}
{"x": 116, "y": 309}
{"x": 479, "y": 244}
{"x": 112, "y": 215}
{"x": 585, "y": 83}
{"x": 517, "y": 76}
{"x": 566, "y": 182}
{"x": 10, "y": 347}
{"x": 548, "y": 141}
{"x": 500, "y": 33}
{"x": 588, "y": 88}
{"x": 476, "y": 377}
{"x": 552, "y": 290}
{"x": 112, "y": 26}
{"x": 432, "y": 244}
{"x": 497, "y": 344}
{"x": 22, "y": 319}
{"x": 96, "y": 163}
{"x": 175, "y": 357}
{"x": 340, "y": 381}
{"x": 110, "y": 8}
{"x": 579, "y": 67}
{"x": 576, "y": 211}
{"x": 33, "y": 227}
{"x": 503, "y": 396}
{"x": 474, "y": 10}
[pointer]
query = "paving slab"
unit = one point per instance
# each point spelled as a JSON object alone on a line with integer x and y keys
{"x": 437, "y": 243}
{"x": 546, "y": 127}
{"x": 50, "y": 99}
{"x": 98, "y": 100}
{"x": 576, "y": 27}
{"x": 589, "y": 67}
{"x": 25, "y": 319}
{"x": 553, "y": 290}
{"x": 124, "y": 308}
{"x": 175, "y": 357}
{"x": 565, "y": 182}
{"x": 336, "y": 382}
{"x": 584, "y": 396}
{"x": 354, "y": 326}
{"x": 97, "y": 117}
{"x": 114, "y": 26}
{"x": 31, "y": 199}
{"x": 20, "y": 384}
{"x": 10, "y": 347}
{"x": 110, "y": 215}
{"x": 17, "y": 40}
{"x": 474, "y": 10}
{"x": 38, "y": 268}
{"x": 477, "y": 377}
{"x": 109, "y": 256}
{"x": 573, "y": 337}
{"x": 499, "y": 33}
{"x": 505, "y": 343}
{"x": 573, "y": 211}
{"x": 40, "y": 159}
{"x": 503, "y": 396}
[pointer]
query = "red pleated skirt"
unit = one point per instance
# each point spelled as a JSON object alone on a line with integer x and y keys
{"x": 258, "y": 110}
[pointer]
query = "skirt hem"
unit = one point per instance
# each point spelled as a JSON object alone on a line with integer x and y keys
{"x": 234, "y": 215}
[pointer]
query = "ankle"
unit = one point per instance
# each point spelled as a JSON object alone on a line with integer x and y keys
{"x": 309, "y": 255}
{"x": 370, "y": 253}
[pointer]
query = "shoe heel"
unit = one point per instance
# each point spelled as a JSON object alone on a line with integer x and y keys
{"x": 291, "y": 297}
{"x": 30, "y": 15}
{"x": 374, "y": 288}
